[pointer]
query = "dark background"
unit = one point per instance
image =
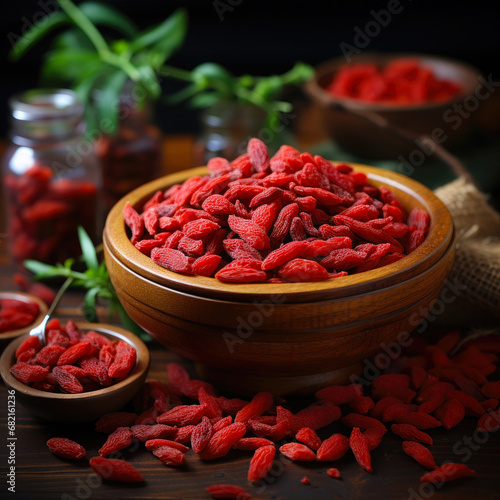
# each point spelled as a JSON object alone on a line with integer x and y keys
{"x": 266, "y": 37}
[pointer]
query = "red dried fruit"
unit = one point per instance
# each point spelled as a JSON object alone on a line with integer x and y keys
{"x": 419, "y": 453}
{"x": 115, "y": 469}
{"x": 169, "y": 455}
{"x": 362, "y": 421}
{"x": 298, "y": 452}
{"x": 489, "y": 422}
{"x": 133, "y": 221}
{"x": 75, "y": 352}
{"x": 471, "y": 405}
{"x": 261, "y": 462}
{"x": 275, "y": 432}
{"x": 182, "y": 415}
{"x": 252, "y": 443}
{"x": 221, "y": 441}
{"x": 117, "y": 440}
{"x": 340, "y": 394}
{"x": 66, "y": 448}
{"x": 147, "y": 432}
{"x": 410, "y": 433}
{"x": 299, "y": 270}
{"x": 305, "y": 480}
{"x": 308, "y": 437}
{"x": 156, "y": 443}
{"x": 171, "y": 259}
{"x": 260, "y": 403}
{"x": 314, "y": 416}
{"x": 66, "y": 381}
{"x": 249, "y": 231}
{"x": 333, "y": 472}
{"x": 228, "y": 491}
{"x": 124, "y": 361}
{"x": 359, "y": 447}
{"x": 201, "y": 435}
{"x": 333, "y": 448}
{"x": 447, "y": 472}
{"x": 450, "y": 413}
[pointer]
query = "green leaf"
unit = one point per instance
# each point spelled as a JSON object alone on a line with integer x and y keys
{"x": 40, "y": 269}
{"x": 105, "y": 15}
{"x": 215, "y": 75}
{"x": 72, "y": 39}
{"x": 37, "y": 32}
{"x": 89, "y": 303}
{"x": 269, "y": 87}
{"x": 298, "y": 74}
{"x": 107, "y": 102}
{"x": 172, "y": 29}
{"x": 205, "y": 99}
{"x": 88, "y": 250}
{"x": 66, "y": 65}
{"x": 149, "y": 81}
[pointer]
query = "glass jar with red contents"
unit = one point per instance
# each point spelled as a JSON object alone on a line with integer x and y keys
{"x": 132, "y": 156}
{"x": 51, "y": 177}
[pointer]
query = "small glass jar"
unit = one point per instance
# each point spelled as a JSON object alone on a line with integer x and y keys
{"x": 133, "y": 155}
{"x": 226, "y": 128}
{"x": 51, "y": 177}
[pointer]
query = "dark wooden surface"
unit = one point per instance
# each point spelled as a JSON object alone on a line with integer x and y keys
{"x": 42, "y": 475}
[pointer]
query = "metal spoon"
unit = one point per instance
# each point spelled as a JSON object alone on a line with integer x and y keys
{"x": 39, "y": 331}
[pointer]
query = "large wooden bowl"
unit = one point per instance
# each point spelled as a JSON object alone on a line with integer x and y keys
{"x": 281, "y": 337}
{"x": 86, "y": 406}
{"x": 357, "y": 135}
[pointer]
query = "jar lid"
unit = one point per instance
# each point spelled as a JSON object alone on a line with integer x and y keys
{"x": 44, "y": 114}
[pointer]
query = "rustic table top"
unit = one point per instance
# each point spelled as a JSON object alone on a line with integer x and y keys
{"x": 41, "y": 475}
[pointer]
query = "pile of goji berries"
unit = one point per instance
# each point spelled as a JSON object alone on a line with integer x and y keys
{"x": 186, "y": 417}
{"x": 15, "y": 314}
{"x": 289, "y": 218}
{"x": 72, "y": 361}
{"x": 402, "y": 81}
{"x": 44, "y": 212}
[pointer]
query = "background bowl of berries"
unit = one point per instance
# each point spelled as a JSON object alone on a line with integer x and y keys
{"x": 282, "y": 271}
{"x": 82, "y": 372}
{"x": 374, "y": 105}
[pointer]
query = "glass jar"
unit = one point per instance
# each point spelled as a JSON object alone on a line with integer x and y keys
{"x": 226, "y": 128}
{"x": 51, "y": 177}
{"x": 133, "y": 155}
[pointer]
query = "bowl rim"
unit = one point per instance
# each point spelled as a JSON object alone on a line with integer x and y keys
{"x": 24, "y": 297}
{"x": 440, "y": 236}
{"x": 326, "y": 68}
{"x": 143, "y": 362}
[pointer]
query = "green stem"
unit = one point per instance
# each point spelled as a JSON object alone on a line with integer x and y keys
{"x": 83, "y": 22}
{"x": 125, "y": 65}
{"x": 177, "y": 73}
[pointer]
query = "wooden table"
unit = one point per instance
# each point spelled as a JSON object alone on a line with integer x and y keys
{"x": 42, "y": 475}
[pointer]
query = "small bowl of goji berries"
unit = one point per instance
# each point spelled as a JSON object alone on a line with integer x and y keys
{"x": 83, "y": 371}
{"x": 421, "y": 94}
{"x": 19, "y": 313}
{"x": 278, "y": 272}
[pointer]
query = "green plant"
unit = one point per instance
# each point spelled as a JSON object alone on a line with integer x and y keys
{"x": 94, "y": 279}
{"x": 85, "y": 60}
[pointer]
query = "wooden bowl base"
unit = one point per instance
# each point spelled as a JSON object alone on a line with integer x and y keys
{"x": 236, "y": 384}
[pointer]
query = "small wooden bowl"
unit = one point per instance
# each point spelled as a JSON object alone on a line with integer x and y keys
{"x": 363, "y": 138}
{"x": 281, "y": 338}
{"x": 86, "y": 406}
{"x": 7, "y": 337}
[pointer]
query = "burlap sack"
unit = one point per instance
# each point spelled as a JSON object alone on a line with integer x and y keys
{"x": 477, "y": 224}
